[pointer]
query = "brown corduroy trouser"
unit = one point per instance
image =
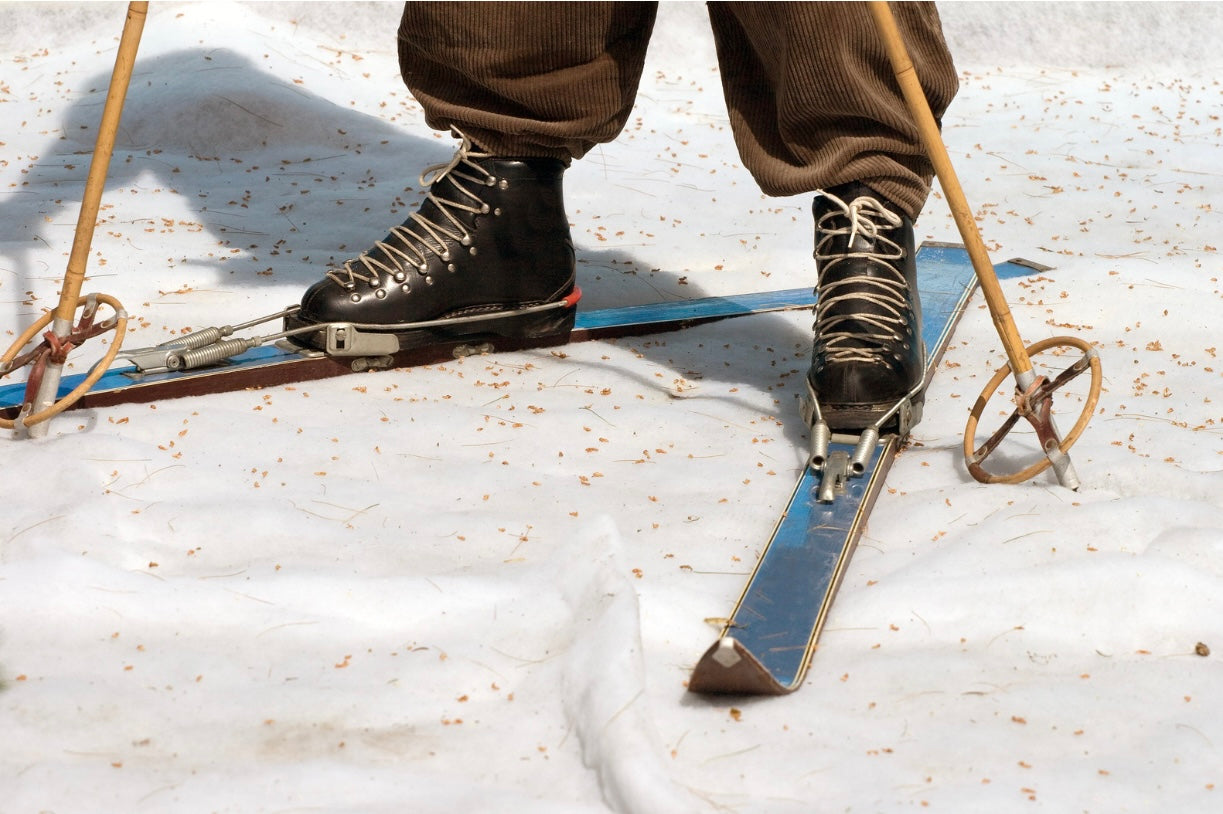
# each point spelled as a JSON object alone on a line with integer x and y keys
{"x": 811, "y": 96}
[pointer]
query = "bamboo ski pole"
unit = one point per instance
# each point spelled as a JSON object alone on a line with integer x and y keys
{"x": 932, "y": 139}
{"x": 1017, "y": 354}
{"x": 99, "y": 166}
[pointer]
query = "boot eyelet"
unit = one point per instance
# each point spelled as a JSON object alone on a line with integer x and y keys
{"x": 485, "y": 209}
{"x": 400, "y": 276}
{"x": 428, "y": 281}
{"x": 354, "y": 297}
{"x": 504, "y": 184}
{"x": 445, "y": 255}
{"x": 497, "y": 212}
{"x": 452, "y": 268}
{"x": 472, "y": 251}
{"x": 380, "y": 294}
{"x": 466, "y": 241}
{"x": 491, "y": 181}
{"x": 405, "y": 288}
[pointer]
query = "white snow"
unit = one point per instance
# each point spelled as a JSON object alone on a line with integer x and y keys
{"x": 481, "y": 586}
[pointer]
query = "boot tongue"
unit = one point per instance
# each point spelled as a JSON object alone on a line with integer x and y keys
{"x": 864, "y": 291}
{"x": 856, "y": 189}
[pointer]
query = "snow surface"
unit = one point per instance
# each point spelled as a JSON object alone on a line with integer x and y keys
{"x": 481, "y": 586}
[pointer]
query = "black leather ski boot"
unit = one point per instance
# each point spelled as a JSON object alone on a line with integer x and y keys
{"x": 487, "y": 254}
{"x": 868, "y": 355}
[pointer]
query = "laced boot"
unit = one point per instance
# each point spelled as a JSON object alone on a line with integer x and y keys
{"x": 868, "y": 355}
{"x": 491, "y": 238}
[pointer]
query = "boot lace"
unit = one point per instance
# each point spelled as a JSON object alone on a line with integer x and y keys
{"x": 410, "y": 244}
{"x": 848, "y": 332}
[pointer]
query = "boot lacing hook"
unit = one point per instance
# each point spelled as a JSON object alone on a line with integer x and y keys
{"x": 419, "y": 234}
{"x": 870, "y": 329}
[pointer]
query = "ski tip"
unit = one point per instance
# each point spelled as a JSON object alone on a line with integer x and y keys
{"x": 730, "y": 668}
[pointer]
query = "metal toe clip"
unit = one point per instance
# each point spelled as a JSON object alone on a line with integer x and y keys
{"x": 838, "y": 467}
{"x": 344, "y": 339}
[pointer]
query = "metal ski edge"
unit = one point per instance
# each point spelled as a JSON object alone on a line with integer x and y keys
{"x": 728, "y": 666}
{"x": 269, "y": 366}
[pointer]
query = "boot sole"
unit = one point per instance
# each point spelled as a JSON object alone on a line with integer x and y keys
{"x": 857, "y": 417}
{"x": 548, "y": 325}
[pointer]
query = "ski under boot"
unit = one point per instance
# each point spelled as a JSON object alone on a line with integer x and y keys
{"x": 868, "y": 358}
{"x": 487, "y": 254}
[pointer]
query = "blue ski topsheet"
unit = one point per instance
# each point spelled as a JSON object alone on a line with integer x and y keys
{"x": 700, "y": 308}
{"x": 782, "y": 609}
